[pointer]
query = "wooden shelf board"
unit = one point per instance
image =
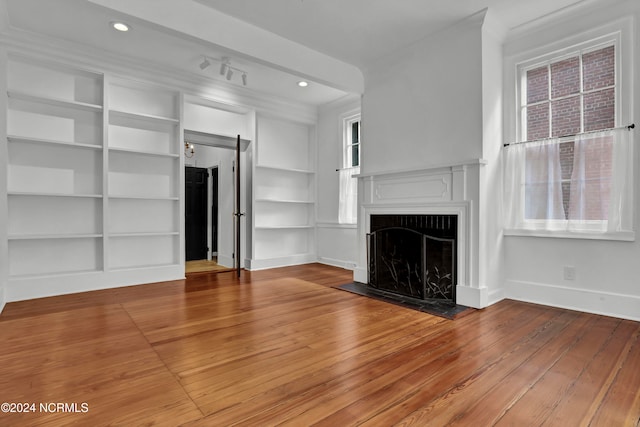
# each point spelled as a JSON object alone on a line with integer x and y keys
{"x": 36, "y": 194}
{"x": 56, "y": 102}
{"x": 283, "y": 227}
{"x": 129, "y": 197}
{"x": 26, "y": 139}
{"x": 143, "y": 117}
{"x": 302, "y": 202}
{"x": 145, "y": 234}
{"x": 53, "y": 236}
{"x": 145, "y": 153}
{"x": 285, "y": 169}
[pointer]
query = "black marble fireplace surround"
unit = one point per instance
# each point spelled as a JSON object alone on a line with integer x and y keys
{"x": 413, "y": 256}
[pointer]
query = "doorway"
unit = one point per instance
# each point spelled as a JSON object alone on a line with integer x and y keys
{"x": 196, "y": 213}
{"x": 216, "y": 156}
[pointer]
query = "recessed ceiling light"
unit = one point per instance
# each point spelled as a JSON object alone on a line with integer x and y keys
{"x": 120, "y": 26}
{"x": 303, "y": 83}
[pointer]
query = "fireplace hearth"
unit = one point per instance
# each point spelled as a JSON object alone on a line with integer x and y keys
{"x": 413, "y": 256}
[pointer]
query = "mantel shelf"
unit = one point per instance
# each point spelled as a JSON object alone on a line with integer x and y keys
{"x": 26, "y": 139}
{"x": 56, "y": 102}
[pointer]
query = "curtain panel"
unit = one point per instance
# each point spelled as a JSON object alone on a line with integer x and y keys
{"x": 582, "y": 184}
{"x": 348, "y": 202}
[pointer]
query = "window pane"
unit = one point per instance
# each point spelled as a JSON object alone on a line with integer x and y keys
{"x": 355, "y": 155}
{"x": 599, "y": 68}
{"x": 355, "y": 135}
{"x": 599, "y": 109}
{"x": 565, "y": 77}
{"x": 537, "y": 85}
{"x": 566, "y": 168}
{"x": 565, "y": 115}
{"x": 537, "y": 121}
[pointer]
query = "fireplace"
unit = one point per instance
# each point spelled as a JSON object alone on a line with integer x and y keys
{"x": 413, "y": 255}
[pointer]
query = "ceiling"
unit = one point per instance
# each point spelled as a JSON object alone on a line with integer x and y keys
{"x": 354, "y": 32}
{"x": 360, "y": 31}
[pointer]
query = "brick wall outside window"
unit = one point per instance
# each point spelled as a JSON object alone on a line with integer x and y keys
{"x": 561, "y": 101}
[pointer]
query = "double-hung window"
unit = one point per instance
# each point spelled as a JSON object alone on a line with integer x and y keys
{"x": 348, "y": 203}
{"x": 571, "y": 172}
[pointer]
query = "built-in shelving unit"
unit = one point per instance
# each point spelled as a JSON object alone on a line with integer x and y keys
{"x": 284, "y": 194}
{"x": 143, "y": 177}
{"x": 54, "y": 173}
{"x": 93, "y": 172}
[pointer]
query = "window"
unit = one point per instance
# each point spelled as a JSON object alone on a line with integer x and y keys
{"x": 348, "y": 203}
{"x": 568, "y": 96}
{"x": 352, "y": 143}
{"x": 574, "y": 172}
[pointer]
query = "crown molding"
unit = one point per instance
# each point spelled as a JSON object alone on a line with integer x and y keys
{"x": 121, "y": 66}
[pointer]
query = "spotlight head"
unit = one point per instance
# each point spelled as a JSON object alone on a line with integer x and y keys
{"x": 223, "y": 69}
{"x": 205, "y": 64}
{"x": 244, "y": 79}
{"x": 229, "y": 73}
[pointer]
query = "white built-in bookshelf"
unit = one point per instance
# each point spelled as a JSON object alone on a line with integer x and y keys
{"x": 143, "y": 224}
{"x": 93, "y": 175}
{"x": 284, "y": 194}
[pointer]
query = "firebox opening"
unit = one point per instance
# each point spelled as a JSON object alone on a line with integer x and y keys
{"x": 414, "y": 256}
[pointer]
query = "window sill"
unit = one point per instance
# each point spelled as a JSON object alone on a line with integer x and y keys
{"x": 624, "y": 236}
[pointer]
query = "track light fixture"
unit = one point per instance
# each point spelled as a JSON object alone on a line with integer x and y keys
{"x": 204, "y": 64}
{"x": 226, "y": 69}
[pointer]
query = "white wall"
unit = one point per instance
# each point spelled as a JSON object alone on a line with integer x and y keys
{"x": 491, "y": 251}
{"x": 337, "y": 243}
{"x": 423, "y": 105}
{"x": 4, "y": 247}
{"x": 607, "y": 272}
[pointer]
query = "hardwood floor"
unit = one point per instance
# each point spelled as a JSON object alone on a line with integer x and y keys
{"x": 281, "y": 347}
{"x": 203, "y": 266}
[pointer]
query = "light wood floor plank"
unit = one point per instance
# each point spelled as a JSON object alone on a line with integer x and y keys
{"x": 281, "y": 347}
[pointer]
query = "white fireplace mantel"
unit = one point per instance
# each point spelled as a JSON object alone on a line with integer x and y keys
{"x": 450, "y": 189}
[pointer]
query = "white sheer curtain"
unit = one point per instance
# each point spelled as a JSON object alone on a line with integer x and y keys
{"x": 598, "y": 195}
{"x": 348, "y": 202}
{"x": 601, "y": 197}
{"x": 533, "y": 185}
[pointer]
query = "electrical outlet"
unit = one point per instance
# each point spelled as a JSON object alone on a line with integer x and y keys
{"x": 569, "y": 272}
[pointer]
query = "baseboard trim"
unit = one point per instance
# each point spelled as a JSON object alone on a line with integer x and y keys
{"x": 347, "y": 265}
{"x": 472, "y": 297}
{"x": 263, "y": 264}
{"x": 20, "y": 289}
{"x": 596, "y": 302}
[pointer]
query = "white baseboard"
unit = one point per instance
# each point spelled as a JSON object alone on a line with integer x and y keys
{"x": 347, "y": 265}
{"x": 360, "y": 275}
{"x": 225, "y": 261}
{"x": 472, "y": 297}
{"x": 19, "y": 289}
{"x": 263, "y": 264}
{"x": 596, "y": 302}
